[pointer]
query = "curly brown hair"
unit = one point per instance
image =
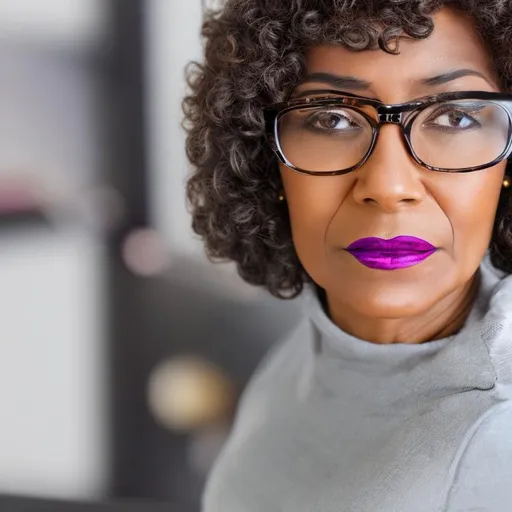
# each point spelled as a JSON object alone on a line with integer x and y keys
{"x": 254, "y": 56}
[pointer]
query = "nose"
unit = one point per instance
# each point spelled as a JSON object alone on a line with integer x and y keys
{"x": 390, "y": 179}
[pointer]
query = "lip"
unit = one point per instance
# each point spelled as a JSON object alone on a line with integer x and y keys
{"x": 395, "y": 253}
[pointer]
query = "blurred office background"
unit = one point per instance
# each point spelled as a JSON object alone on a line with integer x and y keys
{"x": 123, "y": 351}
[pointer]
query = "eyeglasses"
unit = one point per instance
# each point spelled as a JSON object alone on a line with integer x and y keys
{"x": 328, "y": 133}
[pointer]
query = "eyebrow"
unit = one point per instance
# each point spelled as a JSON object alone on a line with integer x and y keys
{"x": 353, "y": 83}
{"x": 338, "y": 82}
{"x": 453, "y": 75}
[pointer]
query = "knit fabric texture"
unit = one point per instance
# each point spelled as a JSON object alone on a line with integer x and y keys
{"x": 333, "y": 423}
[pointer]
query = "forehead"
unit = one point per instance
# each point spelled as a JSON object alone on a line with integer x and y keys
{"x": 454, "y": 44}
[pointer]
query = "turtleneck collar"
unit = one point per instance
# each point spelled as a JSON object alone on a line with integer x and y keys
{"x": 460, "y": 361}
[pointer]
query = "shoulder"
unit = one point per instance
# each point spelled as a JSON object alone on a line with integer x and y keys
{"x": 281, "y": 360}
{"x": 483, "y": 476}
{"x": 283, "y": 356}
{"x": 274, "y": 375}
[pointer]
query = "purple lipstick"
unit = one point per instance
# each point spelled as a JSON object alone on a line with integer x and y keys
{"x": 396, "y": 253}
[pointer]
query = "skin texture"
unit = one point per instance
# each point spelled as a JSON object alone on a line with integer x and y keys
{"x": 391, "y": 195}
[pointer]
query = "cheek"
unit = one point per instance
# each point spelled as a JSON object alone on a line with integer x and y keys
{"x": 313, "y": 202}
{"x": 471, "y": 208}
{"x": 469, "y": 204}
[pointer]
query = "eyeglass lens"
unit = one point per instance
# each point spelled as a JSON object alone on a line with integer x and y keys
{"x": 449, "y": 135}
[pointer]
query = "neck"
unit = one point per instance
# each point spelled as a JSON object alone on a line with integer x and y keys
{"x": 445, "y": 318}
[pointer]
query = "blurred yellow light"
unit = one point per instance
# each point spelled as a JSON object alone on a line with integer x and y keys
{"x": 188, "y": 393}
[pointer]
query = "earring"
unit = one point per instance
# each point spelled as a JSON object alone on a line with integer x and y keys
{"x": 507, "y": 182}
{"x": 281, "y": 197}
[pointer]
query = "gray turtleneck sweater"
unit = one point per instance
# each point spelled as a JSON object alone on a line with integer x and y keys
{"x": 332, "y": 423}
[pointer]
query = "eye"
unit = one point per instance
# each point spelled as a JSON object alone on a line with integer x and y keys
{"x": 332, "y": 121}
{"x": 454, "y": 118}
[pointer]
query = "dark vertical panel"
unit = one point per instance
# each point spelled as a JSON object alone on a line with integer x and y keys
{"x": 128, "y": 175}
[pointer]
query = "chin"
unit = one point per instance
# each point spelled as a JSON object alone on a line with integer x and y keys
{"x": 391, "y": 300}
{"x": 393, "y": 308}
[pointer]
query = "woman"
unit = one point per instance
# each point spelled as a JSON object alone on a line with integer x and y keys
{"x": 356, "y": 153}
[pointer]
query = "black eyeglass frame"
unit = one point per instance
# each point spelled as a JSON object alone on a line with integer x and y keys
{"x": 386, "y": 114}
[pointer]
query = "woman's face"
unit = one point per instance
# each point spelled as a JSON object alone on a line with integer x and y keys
{"x": 391, "y": 195}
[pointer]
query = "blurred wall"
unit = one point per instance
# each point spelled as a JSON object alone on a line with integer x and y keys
{"x": 52, "y": 439}
{"x": 52, "y": 378}
{"x": 64, "y": 22}
{"x": 172, "y": 41}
